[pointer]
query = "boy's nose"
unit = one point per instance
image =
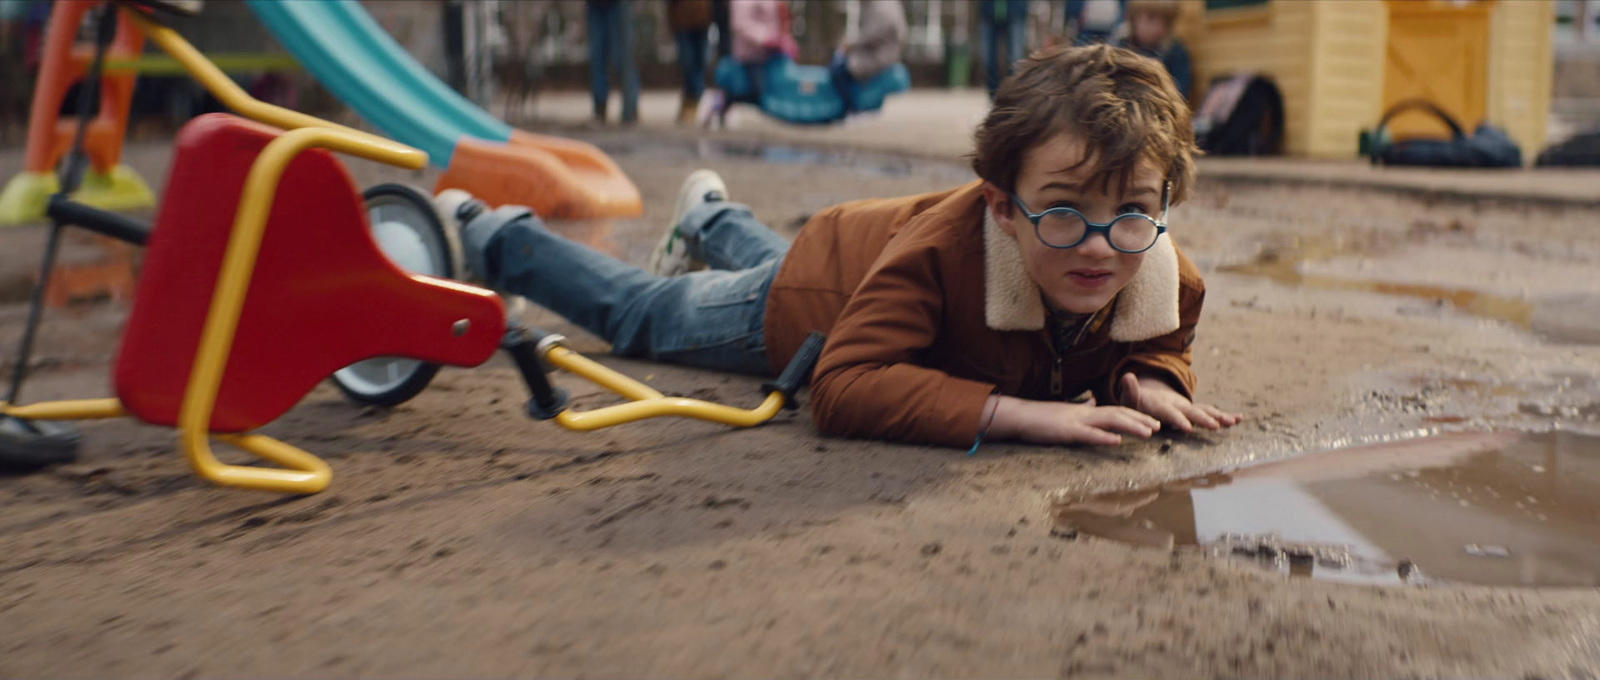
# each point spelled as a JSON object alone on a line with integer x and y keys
{"x": 1097, "y": 246}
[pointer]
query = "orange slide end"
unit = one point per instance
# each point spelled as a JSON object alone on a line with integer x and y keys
{"x": 560, "y": 179}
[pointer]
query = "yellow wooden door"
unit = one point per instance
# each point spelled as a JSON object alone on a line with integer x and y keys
{"x": 1439, "y": 51}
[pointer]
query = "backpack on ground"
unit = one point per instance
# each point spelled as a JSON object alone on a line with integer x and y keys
{"x": 1241, "y": 115}
{"x": 1487, "y": 147}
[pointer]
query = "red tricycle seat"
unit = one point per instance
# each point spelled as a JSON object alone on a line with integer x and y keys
{"x": 322, "y": 295}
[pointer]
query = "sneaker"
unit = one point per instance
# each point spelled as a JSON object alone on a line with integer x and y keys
{"x": 671, "y": 256}
{"x": 456, "y": 208}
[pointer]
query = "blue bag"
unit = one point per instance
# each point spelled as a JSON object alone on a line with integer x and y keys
{"x": 1487, "y": 147}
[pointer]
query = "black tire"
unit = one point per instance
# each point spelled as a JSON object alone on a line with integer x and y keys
{"x": 27, "y": 445}
{"x": 392, "y": 208}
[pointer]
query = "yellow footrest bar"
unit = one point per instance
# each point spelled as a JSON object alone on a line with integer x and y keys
{"x": 74, "y": 409}
{"x": 647, "y": 403}
{"x": 671, "y": 406}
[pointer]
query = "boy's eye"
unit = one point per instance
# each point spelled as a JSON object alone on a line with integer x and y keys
{"x": 1133, "y": 208}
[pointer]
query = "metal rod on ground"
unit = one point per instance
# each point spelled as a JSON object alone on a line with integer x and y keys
{"x": 88, "y": 99}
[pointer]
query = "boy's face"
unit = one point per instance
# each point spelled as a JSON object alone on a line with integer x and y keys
{"x": 1086, "y": 278}
{"x": 1148, "y": 30}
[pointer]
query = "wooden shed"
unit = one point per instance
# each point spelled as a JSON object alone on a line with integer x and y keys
{"x": 1341, "y": 63}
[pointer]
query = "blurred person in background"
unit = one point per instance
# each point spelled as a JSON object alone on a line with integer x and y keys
{"x": 690, "y": 21}
{"x": 1002, "y": 21}
{"x": 880, "y": 39}
{"x": 761, "y": 31}
{"x": 720, "y": 19}
{"x": 1095, "y": 21}
{"x": 16, "y": 85}
{"x": 610, "y": 24}
{"x": 1150, "y": 32}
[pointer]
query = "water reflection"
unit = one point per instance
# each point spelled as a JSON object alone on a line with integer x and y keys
{"x": 1488, "y": 508}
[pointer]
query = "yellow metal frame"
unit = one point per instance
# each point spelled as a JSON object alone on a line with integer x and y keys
{"x": 302, "y": 472}
{"x": 305, "y": 473}
{"x": 647, "y": 403}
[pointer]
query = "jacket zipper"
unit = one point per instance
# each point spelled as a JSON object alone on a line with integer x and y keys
{"x": 1056, "y": 381}
{"x": 1055, "y": 375}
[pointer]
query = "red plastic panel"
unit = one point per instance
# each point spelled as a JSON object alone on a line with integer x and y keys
{"x": 322, "y": 296}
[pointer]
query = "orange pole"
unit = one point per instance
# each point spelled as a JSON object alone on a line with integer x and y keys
{"x": 63, "y": 65}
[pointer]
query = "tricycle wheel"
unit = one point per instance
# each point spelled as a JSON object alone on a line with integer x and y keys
{"x": 27, "y": 445}
{"x": 411, "y": 234}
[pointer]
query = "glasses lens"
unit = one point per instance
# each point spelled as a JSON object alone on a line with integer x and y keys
{"x": 1061, "y": 229}
{"x": 1134, "y": 232}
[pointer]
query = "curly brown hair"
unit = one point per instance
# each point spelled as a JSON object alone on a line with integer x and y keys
{"x": 1124, "y": 105}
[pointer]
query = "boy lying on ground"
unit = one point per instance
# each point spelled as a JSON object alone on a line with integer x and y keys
{"x": 951, "y": 317}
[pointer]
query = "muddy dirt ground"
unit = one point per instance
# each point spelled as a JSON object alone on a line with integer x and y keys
{"x": 460, "y": 538}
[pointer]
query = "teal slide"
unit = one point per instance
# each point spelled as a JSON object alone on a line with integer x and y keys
{"x": 341, "y": 45}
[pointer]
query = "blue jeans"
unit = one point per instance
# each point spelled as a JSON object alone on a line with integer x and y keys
{"x": 611, "y": 44}
{"x": 715, "y": 318}
{"x": 692, "y": 59}
{"x": 997, "y": 67}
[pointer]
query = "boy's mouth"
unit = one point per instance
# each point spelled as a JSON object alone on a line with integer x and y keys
{"x": 1090, "y": 278}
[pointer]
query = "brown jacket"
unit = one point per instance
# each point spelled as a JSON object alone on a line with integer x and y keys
{"x": 928, "y": 311}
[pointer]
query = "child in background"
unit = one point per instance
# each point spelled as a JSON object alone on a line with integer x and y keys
{"x": 977, "y": 313}
{"x": 880, "y": 37}
{"x": 1150, "y": 32}
{"x": 760, "y": 32}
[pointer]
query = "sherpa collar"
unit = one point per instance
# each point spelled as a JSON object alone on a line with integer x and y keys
{"x": 1147, "y": 308}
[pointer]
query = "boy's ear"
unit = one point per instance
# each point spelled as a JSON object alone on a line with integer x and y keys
{"x": 1000, "y": 207}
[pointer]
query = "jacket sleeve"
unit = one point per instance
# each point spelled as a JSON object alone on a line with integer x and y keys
{"x": 868, "y": 384}
{"x": 1169, "y": 356}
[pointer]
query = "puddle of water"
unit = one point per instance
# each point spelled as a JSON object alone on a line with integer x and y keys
{"x": 1499, "y": 508}
{"x": 1287, "y": 272}
{"x": 890, "y": 165}
{"x": 1564, "y": 318}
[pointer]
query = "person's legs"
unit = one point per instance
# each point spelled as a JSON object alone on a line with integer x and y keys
{"x": 727, "y": 236}
{"x": 758, "y": 81}
{"x": 692, "y": 63}
{"x": 720, "y": 19}
{"x": 622, "y": 43}
{"x": 843, "y": 81}
{"x": 1016, "y": 33}
{"x": 709, "y": 319}
{"x": 599, "y": 51}
{"x": 695, "y": 62}
{"x": 988, "y": 45}
{"x": 681, "y": 39}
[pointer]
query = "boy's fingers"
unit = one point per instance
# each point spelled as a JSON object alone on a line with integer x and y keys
{"x": 1137, "y": 424}
{"x": 1200, "y": 417}
{"x": 1088, "y": 434}
{"x": 1174, "y": 416}
{"x": 1227, "y": 419}
{"x": 1110, "y": 414}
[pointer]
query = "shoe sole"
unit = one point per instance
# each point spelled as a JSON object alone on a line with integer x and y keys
{"x": 686, "y": 196}
{"x": 698, "y": 182}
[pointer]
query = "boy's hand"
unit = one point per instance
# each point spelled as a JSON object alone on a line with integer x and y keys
{"x": 1155, "y": 397}
{"x": 1054, "y": 422}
